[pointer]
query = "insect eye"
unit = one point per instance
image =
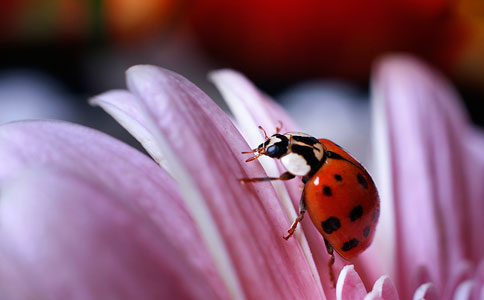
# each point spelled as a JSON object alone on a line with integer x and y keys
{"x": 272, "y": 150}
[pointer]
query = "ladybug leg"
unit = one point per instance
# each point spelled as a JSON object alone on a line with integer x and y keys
{"x": 302, "y": 210}
{"x": 284, "y": 176}
{"x": 330, "y": 250}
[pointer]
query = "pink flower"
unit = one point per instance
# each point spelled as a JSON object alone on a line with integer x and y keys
{"x": 86, "y": 216}
{"x": 434, "y": 178}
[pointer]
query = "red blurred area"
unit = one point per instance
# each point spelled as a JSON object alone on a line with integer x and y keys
{"x": 288, "y": 40}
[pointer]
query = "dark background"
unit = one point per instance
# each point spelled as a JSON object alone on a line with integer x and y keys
{"x": 77, "y": 49}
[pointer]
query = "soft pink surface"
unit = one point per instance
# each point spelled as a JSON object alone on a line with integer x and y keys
{"x": 86, "y": 216}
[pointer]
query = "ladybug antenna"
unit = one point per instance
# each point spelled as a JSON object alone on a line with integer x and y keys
{"x": 279, "y": 127}
{"x": 265, "y": 134}
{"x": 257, "y": 153}
{"x": 251, "y": 151}
{"x": 253, "y": 157}
{"x": 256, "y": 156}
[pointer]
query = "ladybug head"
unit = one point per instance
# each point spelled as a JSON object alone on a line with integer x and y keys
{"x": 275, "y": 146}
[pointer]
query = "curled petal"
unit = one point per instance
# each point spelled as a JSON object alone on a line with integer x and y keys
{"x": 426, "y": 291}
{"x": 245, "y": 237}
{"x": 349, "y": 285}
{"x": 384, "y": 288}
{"x": 127, "y": 110}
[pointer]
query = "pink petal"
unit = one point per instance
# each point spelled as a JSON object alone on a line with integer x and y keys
{"x": 249, "y": 219}
{"x": 427, "y": 130}
{"x": 76, "y": 239}
{"x": 79, "y": 174}
{"x": 349, "y": 286}
{"x": 426, "y": 291}
{"x": 252, "y": 108}
{"x": 384, "y": 288}
{"x": 125, "y": 108}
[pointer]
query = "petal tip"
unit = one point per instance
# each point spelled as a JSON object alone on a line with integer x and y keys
{"x": 349, "y": 285}
{"x": 141, "y": 73}
{"x": 97, "y": 100}
{"x": 385, "y": 288}
{"x": 426, "y": 291}
{"x": 216, "y": 74}
{"x": 140, "y": 68}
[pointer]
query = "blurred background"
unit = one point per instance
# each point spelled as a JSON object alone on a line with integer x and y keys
{"x": 313, "y": 56}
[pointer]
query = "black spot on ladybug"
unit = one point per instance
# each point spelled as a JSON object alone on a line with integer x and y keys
{"x": 338, "y": 177}
{"x": 350, "y": 245}
{"x": 362, "y": 180}
{"x": 331, "y": 224}
{"x": 356, "y": 213}
{"x": 375, "y": 216}
{"x": 366, "y": 231}
{"x": 327, "y": 190}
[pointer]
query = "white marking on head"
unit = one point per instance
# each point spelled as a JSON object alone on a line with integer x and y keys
{"x": 295, "y": 164}
{"x": 273, "y": 140}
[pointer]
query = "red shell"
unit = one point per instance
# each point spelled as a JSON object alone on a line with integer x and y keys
{"x": 343, "y": 203}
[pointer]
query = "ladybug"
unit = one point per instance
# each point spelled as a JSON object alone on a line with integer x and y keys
{"x": 339, "y": 194}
